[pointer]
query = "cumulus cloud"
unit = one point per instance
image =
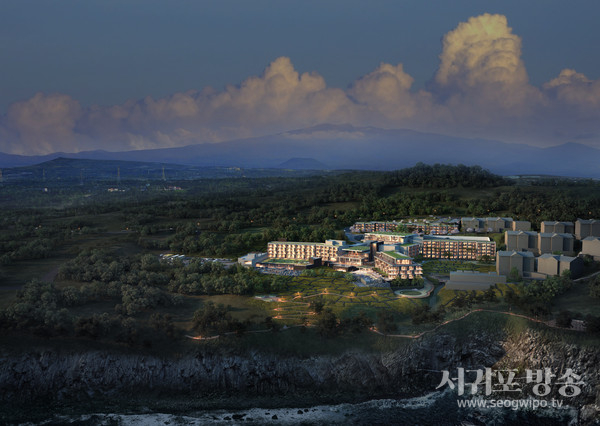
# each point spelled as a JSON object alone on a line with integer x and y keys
{"x": 481, "y": 89}
{"x": 44, "y": 123}
{"x": 575, "y": 89}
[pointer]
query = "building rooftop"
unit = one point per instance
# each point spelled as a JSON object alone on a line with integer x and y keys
{"x": 400, "y": 234}
{"x": 396, "y": 255}
{"x": 508, "y": 253}
{"x": 286, "y": 261}
{"x": 357, "y": 248}
{"x": 457, "y": 238}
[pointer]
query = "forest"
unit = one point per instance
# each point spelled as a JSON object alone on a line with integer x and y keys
{"x": 82, "y": 261}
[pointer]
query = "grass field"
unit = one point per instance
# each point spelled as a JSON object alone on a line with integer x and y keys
{"x": 444, "y": 267}
{"x": 341, "y": 295}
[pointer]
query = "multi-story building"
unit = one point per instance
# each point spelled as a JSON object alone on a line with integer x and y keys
{"x": 556, "y": 227}
{"x": 591, "y": 247}
{"x": 521, "y": 240}
{"x": 552, "y": 264}
{"x": 437, "y": 227}
{"x": 539, "y": 243}
{"x": 355, "y": 256}
{"x": 328, "y": 251}
{"x": 396, "y": 265}
{"x": 408, "y": 249}
{"x": 555, "y": 243}
{"x": 524, "y": 261}
{"x": 487, "y": 224}
{"x": 389, "y": 237}
{"x": 421, "y": 226}
{"x": 374, "y": 226}
{"x": 457, "y": 248}
{"x": 587, "y": 228}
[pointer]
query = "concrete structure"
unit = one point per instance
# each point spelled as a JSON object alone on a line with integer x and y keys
{"x": 389, "y": 237}
{"x": 552, "y": 264}
{"x": 555, "y": 243}
{"x": 587, "y": 228}
{"x": 457, "y": 247}
{"x": 290, "y": 264}
{"x": 396, "y": 265}
{"x": 552, "y": 227}
{"x": 408, "y": 249}
{"x": 251, "y": 259}
{"x": 591, "y": 247}
{"x": 436, "y": 227}
{"x": 374, "y": 226}
{"x": 487, "y": 224}
{"x": 524, "y": 261}
{"x": 328, "y": 251}
{"x": 355, "y": 256}
{"x": 424, "y": 226}
{"x": 521, "y": 241}
{"x": 470, "y": 280}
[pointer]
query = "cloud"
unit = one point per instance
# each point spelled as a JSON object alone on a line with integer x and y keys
{"x": 42, "y": 124}
{"x": 481, "y": 70}
{"x": 575, "y": 89}
{"x": 481, "y": 89}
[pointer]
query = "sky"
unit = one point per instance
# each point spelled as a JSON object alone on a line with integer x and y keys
{"x": 135, "y": 74}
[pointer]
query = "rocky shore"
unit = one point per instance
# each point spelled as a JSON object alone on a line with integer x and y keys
{"x": 69, "y": 379}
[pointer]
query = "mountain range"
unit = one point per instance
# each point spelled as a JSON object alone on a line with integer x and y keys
{"x": 365, "y": 148}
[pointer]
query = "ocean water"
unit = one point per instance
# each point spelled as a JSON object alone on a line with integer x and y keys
{"x": 438, "y": 408}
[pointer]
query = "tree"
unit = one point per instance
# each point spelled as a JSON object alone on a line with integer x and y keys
{"x": 514, "y": 274}
{"x": 385, "y": 322}
{"x": 595, "y": 287}
{"x": 327, "y": 323}
{"x": 592, "y": 323}
{"x": 564, "y": 319}
{"x": 317, "y": 305}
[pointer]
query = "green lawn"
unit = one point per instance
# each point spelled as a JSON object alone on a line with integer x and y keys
{"x": 444, "y": 267}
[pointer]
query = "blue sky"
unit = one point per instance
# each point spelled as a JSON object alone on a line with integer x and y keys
{"x": 105, "y": 52}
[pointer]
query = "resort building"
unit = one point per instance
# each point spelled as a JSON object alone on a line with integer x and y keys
{"x": 355, "y": 256}
{"x": 550, "y": 265}
{"x": 327, "y": 251}
{"x": 591, "y": 247}
{"x": 251, "y": 259}
{"x": 556, "y": 227}
{"x": 408, "y": 249}
{"x": 439, "y": 227}
{"x": 539, "y": 243}
{"x": 524, "y": 261}
{"x": 521, "y": 240}
{"x": 487, "y": 224}
{"x": 555, "y": 243}
{"x": 396, "y": 265}
{"x": 587, "y": 228}
{"x": 457, "y": 247}
{"x": 374, "y": 226}
{"x": 389, "y": 237}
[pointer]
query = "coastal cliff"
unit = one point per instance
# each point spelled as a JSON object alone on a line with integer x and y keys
{"x": 63, "y": 377}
